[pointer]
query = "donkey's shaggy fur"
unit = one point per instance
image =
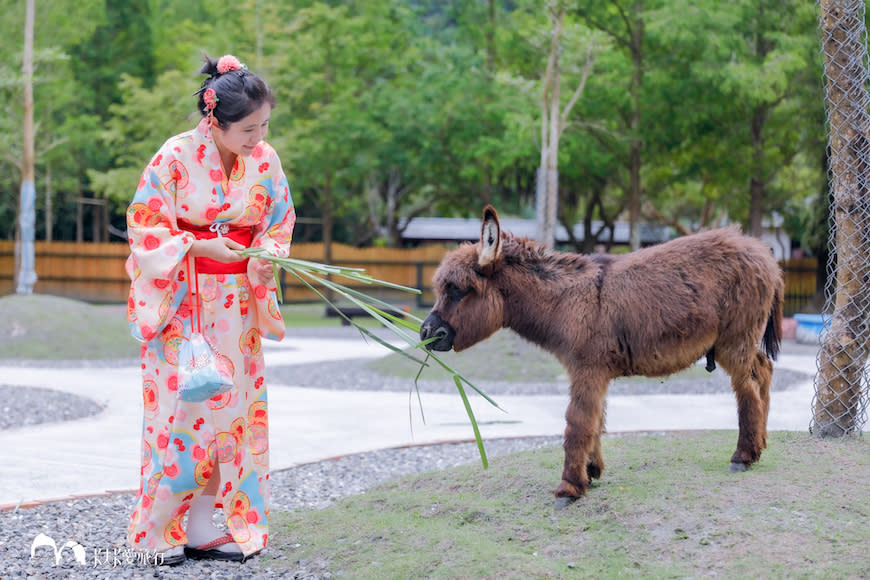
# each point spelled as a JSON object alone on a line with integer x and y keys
{"x": 652, "y": 312}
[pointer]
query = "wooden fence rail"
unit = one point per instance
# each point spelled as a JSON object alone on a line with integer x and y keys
{"x": 94, "y": 272}
{"x": 800, "y": 284}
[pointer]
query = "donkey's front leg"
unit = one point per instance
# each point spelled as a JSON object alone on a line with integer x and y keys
{"x": 582, "y": 437}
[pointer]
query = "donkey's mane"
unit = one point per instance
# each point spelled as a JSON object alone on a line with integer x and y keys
{"x": 521, "y": 251}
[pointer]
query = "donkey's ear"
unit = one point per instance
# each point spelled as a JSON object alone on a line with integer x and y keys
{"x": 490, "y": 239}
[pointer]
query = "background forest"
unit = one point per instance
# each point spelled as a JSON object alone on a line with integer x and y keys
{"x": 680, "y": 112}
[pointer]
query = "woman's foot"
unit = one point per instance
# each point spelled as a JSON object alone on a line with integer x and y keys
{"x": 203, "y": 536}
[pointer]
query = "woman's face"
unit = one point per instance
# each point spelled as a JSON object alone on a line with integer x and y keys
{"x": 242, "y": 136}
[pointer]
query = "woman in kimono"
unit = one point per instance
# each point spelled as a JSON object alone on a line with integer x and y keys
{"x": 207, "y": 193}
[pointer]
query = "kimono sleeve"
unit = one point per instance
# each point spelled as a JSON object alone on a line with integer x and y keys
{"x": 157, "y": 249}
{"x": 273, "y": 233}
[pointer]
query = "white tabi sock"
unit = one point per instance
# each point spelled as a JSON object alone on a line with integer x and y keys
{"x": 200, "y": 525}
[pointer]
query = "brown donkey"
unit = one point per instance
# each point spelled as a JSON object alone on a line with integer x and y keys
{"x": 652, "y": 312}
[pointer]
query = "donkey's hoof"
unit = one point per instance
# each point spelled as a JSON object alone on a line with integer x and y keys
{"x": 593, "y": 471}
{"x": 563, "y": 502}
{"x": 566, "y": 489}
{"x": 736, "y": 467}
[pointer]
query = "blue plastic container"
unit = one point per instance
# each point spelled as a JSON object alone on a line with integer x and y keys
{"x": 811, "y": 327}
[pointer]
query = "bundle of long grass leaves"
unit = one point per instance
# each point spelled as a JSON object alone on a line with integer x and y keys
{"x": 404, "y": 325}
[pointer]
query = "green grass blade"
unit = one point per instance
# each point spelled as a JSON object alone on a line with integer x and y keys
{"x": 357, "y": 274}
{"x": 365, "y": 331}
{"x": 474, "y": 426}
{"x": 385, "y": 306}
{"x": 350, "y": 320}
{"x": 459, "y": 376}
{"x": 364, "y": 301}
{"x": 389, "y": 316}
{"x": 375, "y": 313}
{"x": 277, "y": 282}
{"x": 417, "y": 389}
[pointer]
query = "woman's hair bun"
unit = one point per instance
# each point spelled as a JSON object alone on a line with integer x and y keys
{"x": 221, "y": 66}
{"x": 210, "y": 67}
{"x": 232, "y": 96}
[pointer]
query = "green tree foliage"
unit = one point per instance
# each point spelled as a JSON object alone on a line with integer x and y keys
{"x": 333, "y": 58}
{"x": 135, "y": 131}
{"x": 59, "y": 139}
{"x": 747, "y": 117}
{"x": 120, "y": 44}
{"x": 389, "y": 109}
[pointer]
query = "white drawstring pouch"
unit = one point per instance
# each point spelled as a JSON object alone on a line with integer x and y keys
{"x": 200, "y": 375}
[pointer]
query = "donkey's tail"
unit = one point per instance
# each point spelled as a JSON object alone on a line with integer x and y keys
{"x": 773, "y": 333}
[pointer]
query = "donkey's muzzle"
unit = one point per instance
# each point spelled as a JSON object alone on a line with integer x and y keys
{"x": 435, "y": 326}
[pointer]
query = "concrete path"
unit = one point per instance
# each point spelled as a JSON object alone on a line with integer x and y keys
{"x": 100, "y": 454}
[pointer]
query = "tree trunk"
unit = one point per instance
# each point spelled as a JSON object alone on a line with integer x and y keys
{"x": 541, "y": 174}
{"x": 490, "y": 39}
{"x": 756, "y": 182}
{"x": 486, "y": 186}
{"x": 26, "y": 213}
{"x": 588, "y": 238}
{"x": 634, "y": 194}
{"x": 394, "y": 193}
{"x": 49, "y": 205}
{"x": 327, "y": 182}
{"x": 549, "y": 233}
{"x": 844, "y": 351}
{"x": 96, "y": 222}
{"x": 635, "y": 162}
{"x": 756, "y": 198}
{"x": 548, "y": 173}
{"x": 327, "y": 220}
{"x": 258, "y": 9}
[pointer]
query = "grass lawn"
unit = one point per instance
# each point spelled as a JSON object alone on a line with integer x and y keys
{"x": 43, "y": 327}
{"x": 666, "y": 507}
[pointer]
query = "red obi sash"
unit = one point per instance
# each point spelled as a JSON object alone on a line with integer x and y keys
{"x": 243, "y": 235}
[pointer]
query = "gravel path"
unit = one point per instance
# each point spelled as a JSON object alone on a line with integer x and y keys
{"x": 23, "y": 406}
{"x": 355, "y": 375}
{"x": 98, "y": 523}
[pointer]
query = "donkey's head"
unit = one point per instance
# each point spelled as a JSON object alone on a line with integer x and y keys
{"x": 468, "y": 306}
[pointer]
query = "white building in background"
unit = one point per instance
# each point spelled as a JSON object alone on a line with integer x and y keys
{"x": 455, "y": 230}
{"x": 776, "y": 237}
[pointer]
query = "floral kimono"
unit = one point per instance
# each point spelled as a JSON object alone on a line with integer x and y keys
{"x": 185, "y": 188}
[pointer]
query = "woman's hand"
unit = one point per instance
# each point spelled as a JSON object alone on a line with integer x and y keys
{"x": 262, "y": 270}
{"x": 218, "y": 249}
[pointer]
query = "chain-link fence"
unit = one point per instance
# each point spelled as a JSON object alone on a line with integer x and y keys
{"x": 841, "y": 397}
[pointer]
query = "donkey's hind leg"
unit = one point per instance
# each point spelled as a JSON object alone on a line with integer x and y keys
{"x": 751, "y": 383}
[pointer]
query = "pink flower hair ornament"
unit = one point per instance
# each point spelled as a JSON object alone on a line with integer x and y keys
{"x": 210, "y": 98}
{"x": 228, "y": 62}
